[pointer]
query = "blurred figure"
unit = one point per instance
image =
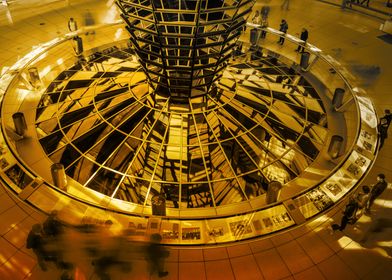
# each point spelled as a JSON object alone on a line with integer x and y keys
{"x": 254, "y": 32}
{"x": 113, "y": 251}
{"x": 265, "y": 12}
{"x": 52, "y": 227}
{"x": 155, "y": 254}
{"x": 35, "y": 241}
{"x": 304, "y": 37}
{"x": 365, "y": 2}
{"x": 102, "y": 247}
{"x": 89, "y": 21}
{"x": 285, "y": 5}
{"x": 52, "y": 231}
{"x": 378, "y": 226}
{"x": 88, "y": 18}
{"x": 346, "y": 3}
{"x": 376, "y": 191}
{"x": 349, "y": 215}
{"x": 72, "y": 25}
{"x": 283, "y": 28}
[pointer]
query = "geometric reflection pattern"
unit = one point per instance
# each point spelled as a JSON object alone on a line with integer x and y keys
{"x": 184, "y": 45}
{"x": 101, "y": 119}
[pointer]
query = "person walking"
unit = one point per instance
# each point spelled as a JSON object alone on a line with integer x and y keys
{"x": 304, "y": 37}
{"x": 283, "y": 28}
{"x": 376, "y": 191}
{"x": 72, "y": 25}
{"x": 349, "y": 214}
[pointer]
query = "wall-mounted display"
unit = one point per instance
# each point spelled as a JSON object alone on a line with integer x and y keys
{"x": 216, "y": 232}
{"x": 170, "y": 231}
{"x": 191, "y": 233}
{"x": 136, "y": 229}
{"x": 240, "y": 228}
{"x": 367, "y": 141}
{"x": 319, "y": 198}
{"x": 357, "y": 164}
{"x": 3, "y": 163}
{"x": 367, "y": 111}
{"x": 18, "y": 176}
{"x": 313, "y": 202}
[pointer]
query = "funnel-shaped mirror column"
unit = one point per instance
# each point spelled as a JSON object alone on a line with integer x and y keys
{"x": 183, "y": 45}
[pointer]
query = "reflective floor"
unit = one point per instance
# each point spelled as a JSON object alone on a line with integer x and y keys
{"x": 309, "y": 252}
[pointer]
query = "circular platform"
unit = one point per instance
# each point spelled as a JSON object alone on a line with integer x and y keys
{"x": 220, "y": 161}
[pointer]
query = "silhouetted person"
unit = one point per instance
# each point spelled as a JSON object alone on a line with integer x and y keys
{"x": 156, "y": 254}
{"x": 383, "y": 127}
{"x": 376, "y": 190}
{"x": 35, "y": 241}
{"x": 349, "y": 214}
{"x": 387, "y": 116}
{"x": 304, "y": 37}
{"x": 264, "y": 25}
{"x": 283, "y": 28}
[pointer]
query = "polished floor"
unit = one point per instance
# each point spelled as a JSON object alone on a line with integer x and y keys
{"x": 307, "y": 252}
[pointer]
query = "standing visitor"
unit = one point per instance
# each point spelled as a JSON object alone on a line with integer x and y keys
{"x": 72, "y": 25}
{"x": 383, "y": 127}
{"x": 283, "y": 28}
{"x": 264, "y": 25}
{"x": 256, "y": 18}
{"x": 304, "y": 37}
